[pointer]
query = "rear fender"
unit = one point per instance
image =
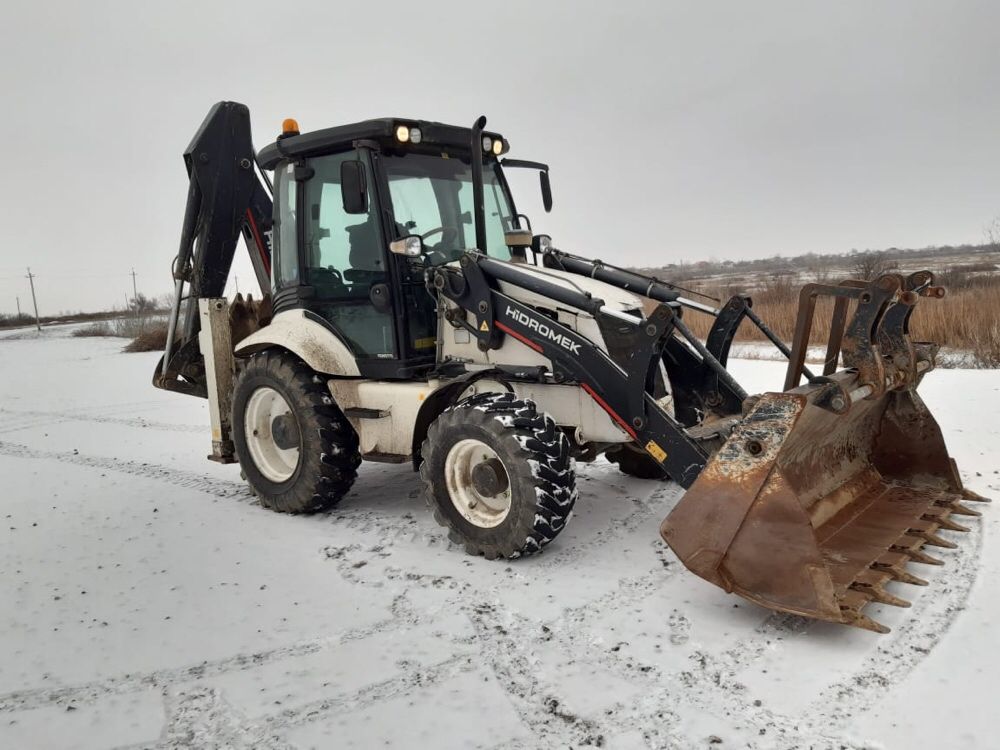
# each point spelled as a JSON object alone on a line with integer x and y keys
{"x": 317, "y": 346}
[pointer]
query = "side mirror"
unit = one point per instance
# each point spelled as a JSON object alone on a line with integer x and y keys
{"x": 353, "y": 189}
{"x": 543, "y": 178}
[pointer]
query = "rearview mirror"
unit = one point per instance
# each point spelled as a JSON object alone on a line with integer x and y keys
{"x": 543, "y": 178}
{"x": 353, "y": 190}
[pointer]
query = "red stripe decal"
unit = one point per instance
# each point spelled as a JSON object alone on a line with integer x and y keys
{"x": 611, "y": 412}
{"x": 593, "y": 394}
{"x": 261, "y": 247}
{"x": 519, "y": 337}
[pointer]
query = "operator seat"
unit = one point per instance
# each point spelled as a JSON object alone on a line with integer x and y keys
{"x": 365, "y": 256}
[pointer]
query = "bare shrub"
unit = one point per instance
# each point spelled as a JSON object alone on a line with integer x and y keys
{"x": 992, "y": 232}
{"x": 151, "y": 340}
{"x": 130, "y": 328}
{"x": 11, "y": 320}
{"x": 102, "y": 328}
{"x": 126, "y": 328}
{"x": 871, "y": 265}
{"x": 142, "y": 305}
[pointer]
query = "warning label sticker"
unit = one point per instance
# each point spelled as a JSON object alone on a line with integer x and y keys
{"x": 653, "y": 449}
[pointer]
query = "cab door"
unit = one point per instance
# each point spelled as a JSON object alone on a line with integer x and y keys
{"x": 341, "y": 270}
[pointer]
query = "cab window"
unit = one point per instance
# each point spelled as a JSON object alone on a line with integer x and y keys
{"x": 345, "y": 258}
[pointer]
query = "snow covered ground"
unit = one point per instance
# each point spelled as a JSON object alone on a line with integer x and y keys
{"x": 146, "y": 601}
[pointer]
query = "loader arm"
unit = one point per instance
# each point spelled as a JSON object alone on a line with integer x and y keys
{"x": 226, "y": 199}
{"x": 619, "y": 388}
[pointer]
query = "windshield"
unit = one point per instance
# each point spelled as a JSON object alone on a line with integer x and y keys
{"x": 432, "y": 196}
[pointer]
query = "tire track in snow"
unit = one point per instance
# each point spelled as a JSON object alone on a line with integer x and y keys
{"x": 412, "y": 678}
{"x": 537, "y": 704}
{"x": 42, "y": 418}
{"x": 387, "y": 526}
{"x": 402, "y": 618}
{"x": 200, "y": 715}
{"x": 178, "y": 477}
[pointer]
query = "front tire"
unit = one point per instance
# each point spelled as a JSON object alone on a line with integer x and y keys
{"x": 499, "y": 475}
{"x": 297, "y": 450}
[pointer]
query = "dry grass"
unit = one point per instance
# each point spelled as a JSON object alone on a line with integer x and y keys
{"x": 148, "y": 334}
{"x": 968, "y": 318}
{"x": 152, "y": 340}
{"x": 94, "y": 329}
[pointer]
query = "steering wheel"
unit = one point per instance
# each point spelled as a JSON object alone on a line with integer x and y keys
{"x": 337, "y": 275}
{"x": 443, "y": 231}
{"x": 327, "y": 275}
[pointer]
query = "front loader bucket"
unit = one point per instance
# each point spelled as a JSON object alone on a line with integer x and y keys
{"x": 820, "y": 496}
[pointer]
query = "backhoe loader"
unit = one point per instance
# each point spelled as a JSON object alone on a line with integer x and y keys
{"x": 411, "y": 314}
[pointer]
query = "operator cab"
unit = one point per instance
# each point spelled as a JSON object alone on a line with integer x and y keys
{"x": 344, "y": 195}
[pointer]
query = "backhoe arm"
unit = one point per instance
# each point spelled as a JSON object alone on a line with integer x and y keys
{"x": 226, "y": 199}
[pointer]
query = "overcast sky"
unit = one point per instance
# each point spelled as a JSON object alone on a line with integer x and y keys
{"x": 675, "y": 131}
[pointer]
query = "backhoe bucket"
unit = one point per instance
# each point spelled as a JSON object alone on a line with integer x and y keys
{"x": 823, "y": 493}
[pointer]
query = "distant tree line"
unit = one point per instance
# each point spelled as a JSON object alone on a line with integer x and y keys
{"x": 865, "y": 264}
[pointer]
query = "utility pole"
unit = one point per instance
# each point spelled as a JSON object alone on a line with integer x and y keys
{"x": 18, "y": 307}
{"x": 135, "y": 294}
{"x": 237, "y": 280}
{"x": 135, "y": 300}
{"x": 31, "y": 280}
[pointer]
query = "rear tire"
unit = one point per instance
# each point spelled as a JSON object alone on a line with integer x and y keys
{"x": 305, "y": 459}
{"x": 524, "y": 487}
{"x": 636, "y": 463}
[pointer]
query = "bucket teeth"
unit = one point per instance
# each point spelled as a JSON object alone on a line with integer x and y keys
{"x": 946, "y": 523}
{"x": 894, "y": 564}
{"x": 958, "y": 509}
{"x": 872, "y": 584}
{"x": 933, "y": 539}
{"x": 922, "y": 557}
{"x": 911, "y": 547}
{"x": 850, "y": 610}
{"x": 927, "y": 530}
{"x": 974, "y": 497}
{"x": 941, "y": 516}
{"x": 880, "y": 595}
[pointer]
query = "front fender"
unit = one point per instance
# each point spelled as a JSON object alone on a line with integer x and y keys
{"x": 314, "y": 343}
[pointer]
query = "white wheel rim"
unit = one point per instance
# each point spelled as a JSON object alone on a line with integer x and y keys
{"x": 263, "y": 406}
{"x": 478, "y": 509}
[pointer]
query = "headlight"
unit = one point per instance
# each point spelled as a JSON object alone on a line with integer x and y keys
{"x": 487, "y": 143}
{"x": 402, "y": 133}
{"x": 415, "y": 135}
{"x": 411, "y": 246}
{"x": 497, "y": 147}
{"x": 541, "y": 243}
